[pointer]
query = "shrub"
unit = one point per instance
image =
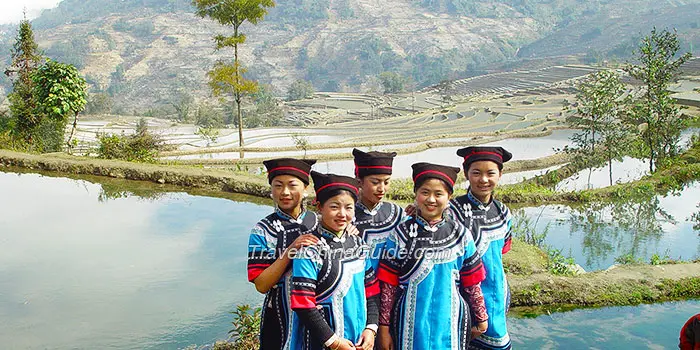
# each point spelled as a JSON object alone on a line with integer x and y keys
{"x": 246, "y": 325}
{"x": 142, "y": 146}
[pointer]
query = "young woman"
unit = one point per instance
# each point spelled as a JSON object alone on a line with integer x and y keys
{"x": 272, "y": 239}
{"x": 335, "y": 293}
{"x": 489, "y": 222}
{"x": 375, "y": 218}
{"x": 430, "y": 263}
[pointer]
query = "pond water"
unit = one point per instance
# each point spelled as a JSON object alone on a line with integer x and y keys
{"x": 596, "y": 234}
{"x": 123, "y": 265}
{"x": 636, "y": 327}
{"x": 83, "y": 268}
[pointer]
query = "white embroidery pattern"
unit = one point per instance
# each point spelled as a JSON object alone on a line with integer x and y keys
{"x": 413, "y": 230}
{"x": 278, "y": 225}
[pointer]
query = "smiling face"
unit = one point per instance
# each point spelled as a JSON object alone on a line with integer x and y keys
{"x": 374, "y": 187}
{"x": 431, "y": 199}
{"x": 338, "y": 211}
{"x": 483, "y": 177}
{"x": 287, "y": 193}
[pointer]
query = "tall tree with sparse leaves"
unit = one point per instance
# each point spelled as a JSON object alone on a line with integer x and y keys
{"x": 601, "y": 103}
{"x": 656, "y": 114}
{"x": 25, "y": 60}
{"x": 232, "y": 13}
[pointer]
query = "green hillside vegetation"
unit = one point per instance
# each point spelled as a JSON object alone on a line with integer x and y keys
{"x": 145, "y": 53}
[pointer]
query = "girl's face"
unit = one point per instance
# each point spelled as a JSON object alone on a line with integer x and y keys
{"x": 374, "y": 187}
{"x": 431, "y": 199}
{"x": 483, "y": 177}
{"x": 287, "y": 192}
{"x": 337, "y": 212}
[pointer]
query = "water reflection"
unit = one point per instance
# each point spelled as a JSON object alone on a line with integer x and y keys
{"x": 126, "y": 265}
{"x": 127, "y": 273}
{"x": 619, "y": 228}
{"x": 636, "y": 327}
{"x": 594, "y": 234}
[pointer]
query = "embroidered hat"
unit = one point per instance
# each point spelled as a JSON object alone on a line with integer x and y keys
{"x": 326, "y": 184}
{"x": 473, "y": 154}
{"x": 425, "y": 171}
{"x": 371, "y": 163}
{"x": 289, "y": 166}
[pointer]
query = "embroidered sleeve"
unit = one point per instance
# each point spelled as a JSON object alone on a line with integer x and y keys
{"x": 313, "y": 320}
{"x": 305, "y": 269}
{"x": 371, "y": 281}
{"x": 261, "y": 252}
{"x": 472, "y": 271}
{"x": 388, "y": 265}
{"x": 475, "y": 298}
{"x": 509, "y": 237}
{"x": 388, "y": 293}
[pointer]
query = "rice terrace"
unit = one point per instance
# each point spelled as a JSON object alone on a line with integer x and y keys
{"x": 128, "y": 196}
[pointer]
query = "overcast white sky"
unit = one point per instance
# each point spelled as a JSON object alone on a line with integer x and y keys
{"x": 11, "y": 10}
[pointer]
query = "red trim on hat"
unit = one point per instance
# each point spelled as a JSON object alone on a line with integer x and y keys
{"x": 288, "y": 168}
{"x": 338, "y": 184}
{"x": 373, "y": 167}
{"x": 435, "y": 172}
{"x": 484, "y": 152}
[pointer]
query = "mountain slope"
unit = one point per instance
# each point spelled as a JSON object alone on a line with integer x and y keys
{"x": 146, "y": 53}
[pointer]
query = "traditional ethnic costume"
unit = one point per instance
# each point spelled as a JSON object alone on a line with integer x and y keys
{"x": 690, "y": 334}
{"x": 335, "y": 292}
{"x": 376, "y": 223}
{"x": 269, "y": 238}
{"x": 433, "y": 265}
{"x": 490, "y": 226}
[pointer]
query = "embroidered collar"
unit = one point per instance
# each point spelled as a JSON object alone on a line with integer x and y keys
{"x": 329, "y": 235}
{"x": 427, "y": 226}
{"x": 472, "y": 198}
{"x": 369, "y": 211}
{"x": 288, "y": 217}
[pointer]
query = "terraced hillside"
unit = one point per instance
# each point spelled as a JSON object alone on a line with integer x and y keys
{"x": 146, "y": 53}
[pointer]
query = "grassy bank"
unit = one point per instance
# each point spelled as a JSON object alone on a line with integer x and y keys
{"x": 191, "y": 177}
{"x": 532, "y": 285}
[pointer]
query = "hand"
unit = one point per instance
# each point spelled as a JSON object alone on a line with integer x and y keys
{"x": 385, "y": 341}
{"x": 352, "y": 230}
{"x": 301, "y": 241}
{"x": 342, "y": 344}
{"x": 479, "y": 329}
{"x": 366, "y": 340}
{"x": 410, "y": 210}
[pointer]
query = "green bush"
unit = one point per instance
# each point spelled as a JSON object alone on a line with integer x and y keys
{"x": 142, "y": 146}
{"x": 246, "y": 327}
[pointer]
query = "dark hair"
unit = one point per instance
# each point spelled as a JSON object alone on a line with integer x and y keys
{"x": 466, "y": 169}
{"x": 336, "y": 192}
{"x": 420, "y": 182}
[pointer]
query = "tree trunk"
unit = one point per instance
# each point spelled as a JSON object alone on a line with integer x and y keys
{"x": 72, "y": 130}
{"x": 651, "y": 155}
{"x": 590, "y": 172}
{"x": 610, "y": 170}
{"x": 238, "y": 94}
{"x": 240, "y": 119}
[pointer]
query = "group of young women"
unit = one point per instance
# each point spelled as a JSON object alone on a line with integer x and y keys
{"x": 363, "y": 273}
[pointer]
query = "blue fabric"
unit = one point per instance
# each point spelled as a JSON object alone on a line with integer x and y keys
{"x": 490, "y": 225}
{"x": 429, "y": 312}
{"x": 376, "y": 225}
{"x": 337, "y": 280}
